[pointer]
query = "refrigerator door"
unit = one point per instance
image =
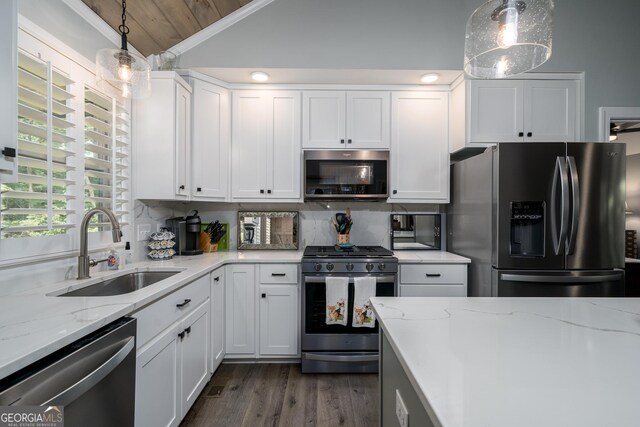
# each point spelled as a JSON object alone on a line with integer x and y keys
{"x": 531, "y": 205}
{"x": 597, "y": 191}
{"x": 510, "y": 283}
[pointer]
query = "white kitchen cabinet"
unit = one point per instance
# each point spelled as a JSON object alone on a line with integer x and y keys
{"x": 420, "y": 147}
{"x": 162, "y": 139}
{"x": 265, "y": 147}
{"x": 195, "y": 348}
{"x": 350, "y": 120}
{"x": 9, "y": 90}
{"x": 210, "y": 142}
{"x": 279, "y": 310}
{"x": 522, "y": 110}
{"x": 217, "y": 318}
{"x": 240, "y": 295}
{"x": 433, "y": 280}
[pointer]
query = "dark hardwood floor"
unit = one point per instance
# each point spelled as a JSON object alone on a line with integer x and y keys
{"x": 280, "y": 395}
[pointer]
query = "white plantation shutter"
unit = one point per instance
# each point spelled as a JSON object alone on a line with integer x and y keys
{"x": 39, "y": 203}
{"x": 106, "y": 152}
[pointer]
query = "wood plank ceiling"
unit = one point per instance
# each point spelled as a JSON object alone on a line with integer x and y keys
{"x": 157, "y": 25}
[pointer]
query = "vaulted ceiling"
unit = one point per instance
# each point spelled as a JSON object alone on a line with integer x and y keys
{"x": 157, "y": 25}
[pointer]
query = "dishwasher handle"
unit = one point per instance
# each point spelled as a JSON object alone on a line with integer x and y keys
{"x": 82, "y": 386}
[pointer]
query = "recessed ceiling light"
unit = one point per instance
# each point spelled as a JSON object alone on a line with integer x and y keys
{"x": 260, "y": 76}
{"x": 429, "y": 78}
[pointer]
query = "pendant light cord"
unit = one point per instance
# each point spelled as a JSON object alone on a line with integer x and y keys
{"x": 124, "y": 30}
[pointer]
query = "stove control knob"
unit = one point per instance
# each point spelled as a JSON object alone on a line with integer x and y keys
{"x": 369, "y": 266}
{"x": 350, "y": 267}
{"x": 329, "y": 267}
{"x": 381, "y": 266}
{"x": 317, "y": 267}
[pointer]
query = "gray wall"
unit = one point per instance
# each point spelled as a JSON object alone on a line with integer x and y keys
{"x": 600, "y": 38}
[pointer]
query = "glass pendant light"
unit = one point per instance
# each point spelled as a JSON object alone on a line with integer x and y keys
{"x": 122, "y": 70}
{"x": 508, "y": 37}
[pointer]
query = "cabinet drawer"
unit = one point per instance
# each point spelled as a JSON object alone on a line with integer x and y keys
{"x": 278, "y": 273}
{"x": 433, "y": 273}
{"x": 443, "y": 290}
{"x": 159, "y": 315}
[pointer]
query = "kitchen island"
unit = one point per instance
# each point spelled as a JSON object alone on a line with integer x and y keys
{"x": 505, "y": 362}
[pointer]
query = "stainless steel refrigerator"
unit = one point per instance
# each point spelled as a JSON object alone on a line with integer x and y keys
{"x": 541, "y": 219}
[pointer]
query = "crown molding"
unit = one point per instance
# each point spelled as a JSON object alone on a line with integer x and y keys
{"x": 217, "y": 27}
{"x": 97, "y": 22}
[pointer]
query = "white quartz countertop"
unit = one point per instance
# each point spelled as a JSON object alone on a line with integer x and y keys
{"x": 34, "y": 324}
{"x": 429, "y": 257}
{"x": 505, "y": 362}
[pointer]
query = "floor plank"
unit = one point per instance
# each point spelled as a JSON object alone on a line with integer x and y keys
{"x": 280, "y": 395}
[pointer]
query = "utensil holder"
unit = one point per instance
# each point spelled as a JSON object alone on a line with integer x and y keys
{"x": 205, "y": 243}
{"x": 343, "y": 238}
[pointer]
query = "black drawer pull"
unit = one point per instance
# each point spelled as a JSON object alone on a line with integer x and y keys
{"x": 433, "y": 274}
{"x": 349, "y": 141}
{"x": 181, "y": 305}
{"x": 261, "y": 191}
{"x": 342, "y": 141}
{"x": 199, "y": 189}
{"x": 395, "y": 191}
{"x": 181, "y": 335}
{"x": 278, "y": 274}
{"x": 188, "y": 330}
{"x": 181, "y": 187}
{"x": 520, "y": 133}
{"x": 268, "y": 191}
{"x": 216, "y": 279}
{"x": 264, "y": 295}
{"x": 9, "y": 152}
{"x": 529, "y": 134}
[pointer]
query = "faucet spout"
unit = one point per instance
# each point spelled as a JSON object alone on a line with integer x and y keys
{"x": 83, "y": 258}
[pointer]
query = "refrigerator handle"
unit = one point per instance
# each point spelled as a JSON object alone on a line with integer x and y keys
{"x": 575, "y": 190}
{"x": 534, "y": 278}
{"x": 560, "y": 174}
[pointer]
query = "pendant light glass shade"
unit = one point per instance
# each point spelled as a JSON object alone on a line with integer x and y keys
{"x": 508, "y": 37}
{"x": 126, "y": 72}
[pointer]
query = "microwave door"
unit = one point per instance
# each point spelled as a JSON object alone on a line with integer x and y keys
{"x": 531, "y": 211}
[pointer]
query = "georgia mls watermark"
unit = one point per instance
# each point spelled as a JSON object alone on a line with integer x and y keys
{"x": 31, "y": 416}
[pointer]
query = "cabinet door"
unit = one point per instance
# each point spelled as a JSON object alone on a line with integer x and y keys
{"x": 9, "y": 90}
{"x": 248, "y": 145}
{"x": 283, "y": 139}
{"x": 420, "y": 147}
{"x": 279, "y": 320}
{"x": 217, "y": 318}
{"x": 368, "y": 118}
{"x": 195, "y": 347}
{"x": 323, "y": 119}
{"x": 495, "y": 111}
{"x": 240, "y": 309}
{"x": 550, "y": 110}
{"x": 157, "y": 379}
{"x": 210, "y": 142}
{"x": 183, "y": 140}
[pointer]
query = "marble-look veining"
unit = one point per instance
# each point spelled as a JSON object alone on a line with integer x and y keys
{"x": 519, "y": 361}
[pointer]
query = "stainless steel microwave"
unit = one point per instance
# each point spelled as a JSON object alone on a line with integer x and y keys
{"x": 346, "y": 175}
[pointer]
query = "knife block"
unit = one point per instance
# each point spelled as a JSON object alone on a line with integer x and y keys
{"x": 205, "y": 243}
{"x": 343, "y": 238}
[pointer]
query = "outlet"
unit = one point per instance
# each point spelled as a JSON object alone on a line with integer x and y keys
{"x": 143, "y": 232}
{"x": 401, "y": 411}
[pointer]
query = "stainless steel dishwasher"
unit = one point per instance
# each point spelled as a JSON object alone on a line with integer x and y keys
{"x": 92, "y": 378}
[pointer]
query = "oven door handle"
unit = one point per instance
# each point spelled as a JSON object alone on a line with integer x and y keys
{"x": 322, "y": 279}
{"x": 339, "y": 358}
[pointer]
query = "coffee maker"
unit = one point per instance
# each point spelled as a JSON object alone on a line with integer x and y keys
{"x": 187, "y": 231}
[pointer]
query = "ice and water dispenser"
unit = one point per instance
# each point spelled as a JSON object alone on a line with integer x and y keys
{"x": 527, "y": 229}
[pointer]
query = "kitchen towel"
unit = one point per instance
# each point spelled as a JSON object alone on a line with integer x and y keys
{"x": 337, "y": 300}
{"x": 364, "y": 289}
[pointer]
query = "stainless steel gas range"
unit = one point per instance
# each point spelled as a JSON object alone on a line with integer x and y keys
{"x": 338, "y": 348}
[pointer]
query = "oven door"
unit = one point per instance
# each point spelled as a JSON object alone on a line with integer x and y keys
{"x": 335, "y": 175}
{"x": 318, "y": 336}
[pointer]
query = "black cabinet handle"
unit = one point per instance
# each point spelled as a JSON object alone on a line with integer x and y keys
{"x": 264, "y": 295}
{"x": 188, "y": 330}
{"x": 278, "y": 274}
{"x": 433, "y": 274}
{"x": 395, "y": 191}
{"x": 181, "y": 335}
{"x": 342, "y": 141}
{"x": 261, "y": 191}
{"x": 348, "y": 141}
{"x": 9, "y": 152}
{"x": 182, "y": 187}
{"x": 183, "y": 304}
{"x": 529, "y": 134}
{"x": 216, "y": 279}
{"x": 520, "y": 133}
{"x": 268, "y": 191}
{"x": 199, "y": 189}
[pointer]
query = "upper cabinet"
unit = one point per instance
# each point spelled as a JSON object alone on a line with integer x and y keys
{"x": 352, "y": 120}
{"x": 265, "y": 147}
{"x": 210, "y": 142}
{"x": 9, "y": 88}
{"x": 420, "y": 147}
{"x": 162, "y": 133}
{"x": 522, "y": 110}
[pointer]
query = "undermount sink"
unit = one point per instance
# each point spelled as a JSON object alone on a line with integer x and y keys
{"x": 122, "y": 284}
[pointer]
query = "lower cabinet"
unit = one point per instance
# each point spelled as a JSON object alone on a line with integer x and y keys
{"x": 217, "y": 318}
{"x": 433, "y": 280}
{"x": 279, "y": 322}
{"x": 240, "y": 310}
